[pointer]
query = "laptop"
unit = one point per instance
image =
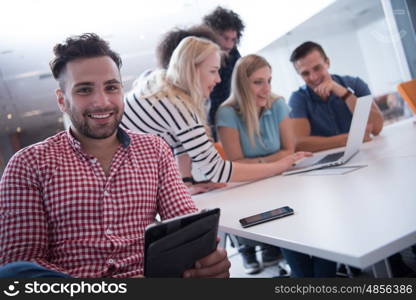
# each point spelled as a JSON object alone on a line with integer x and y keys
{"x": 354, "y": 142}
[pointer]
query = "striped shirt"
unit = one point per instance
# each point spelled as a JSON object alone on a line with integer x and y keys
{"x": 181, "y": 128}
{"x": 60, "y": 210}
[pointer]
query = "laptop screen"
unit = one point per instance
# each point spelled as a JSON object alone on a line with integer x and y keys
{"x": 358, "y": 125}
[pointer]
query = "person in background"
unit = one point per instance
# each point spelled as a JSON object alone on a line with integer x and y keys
{"x": 164, "y": 51}
{"x": 172, "y": 38}
{"x": 322, "y": 112}
{"x": 322, "y": 108}
{"x": 253, "y": 126}
{"x": 170, "y": 41}
{"x": 78, "y": 203}
{"x": 171, "y": 106}
{"x": 229, "y": 27}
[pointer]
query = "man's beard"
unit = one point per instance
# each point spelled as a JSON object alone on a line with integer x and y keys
{"x": 101, "y": 132}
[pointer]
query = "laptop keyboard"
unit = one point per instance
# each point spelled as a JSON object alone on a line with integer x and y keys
{"x": 330, "y": 158}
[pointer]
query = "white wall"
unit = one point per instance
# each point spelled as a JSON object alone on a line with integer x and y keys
{"x": 341, "y": 46}
{"x": 379, "y": 57}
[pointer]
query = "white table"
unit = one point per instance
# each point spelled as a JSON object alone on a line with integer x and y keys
{"x": 359, "y": 218}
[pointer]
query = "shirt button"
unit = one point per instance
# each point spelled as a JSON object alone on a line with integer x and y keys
{"x": 110, "y": 261}
{"x": 109, "y": 231}
{"x": 93, "y": 160}
{"x": 106, "y": 193}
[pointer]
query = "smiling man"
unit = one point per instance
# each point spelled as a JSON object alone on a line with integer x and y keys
{"x": 77, "y": 204}
{"x": 321, "y": 114}
{"x": 95, "y": 116}
{"x": 322, "y": 108}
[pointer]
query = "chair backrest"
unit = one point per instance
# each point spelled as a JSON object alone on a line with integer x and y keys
{"x": 220, "y": 150}
{"x": 408, "y": 92}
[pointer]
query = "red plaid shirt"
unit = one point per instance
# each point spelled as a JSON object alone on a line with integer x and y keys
{"x": 60, "y": 210}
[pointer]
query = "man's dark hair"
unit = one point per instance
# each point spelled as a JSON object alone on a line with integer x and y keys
{"x": 222, "y": 19}
{"x": 306, "y": 48}
{"x": 172, "y": 39}
{"x": 87, "y": 45}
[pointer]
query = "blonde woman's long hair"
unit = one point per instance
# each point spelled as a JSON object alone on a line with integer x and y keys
{"x": 182, "y": 76}
{"x": 241, "y": 97}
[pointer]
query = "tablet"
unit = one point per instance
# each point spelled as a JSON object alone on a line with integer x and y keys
{"x": 174, "y": 245}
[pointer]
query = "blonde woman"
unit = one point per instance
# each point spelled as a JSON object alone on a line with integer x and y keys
{"x": 171, "y": 104}
{"x": 253, "y": 126}
{"x": 253, "y": 123}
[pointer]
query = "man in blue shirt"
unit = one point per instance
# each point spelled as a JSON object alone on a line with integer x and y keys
{"x": 322, "y": 108}
{"x": 322, "y": 113}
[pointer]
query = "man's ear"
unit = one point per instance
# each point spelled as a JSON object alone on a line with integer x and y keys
{"x": 60, "y": 97}
{"x": 328, "y": 62}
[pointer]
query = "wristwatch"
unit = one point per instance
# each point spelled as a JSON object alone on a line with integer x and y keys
{"x": 347, "y": 94}
{"x": 188, "y": 179}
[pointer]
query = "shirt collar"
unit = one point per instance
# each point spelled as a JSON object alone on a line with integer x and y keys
{"x": 266, "y": 112}
{"x": 122, "y": 137}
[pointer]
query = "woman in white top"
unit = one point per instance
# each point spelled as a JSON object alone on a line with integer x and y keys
{"x": 171, "y": 104}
